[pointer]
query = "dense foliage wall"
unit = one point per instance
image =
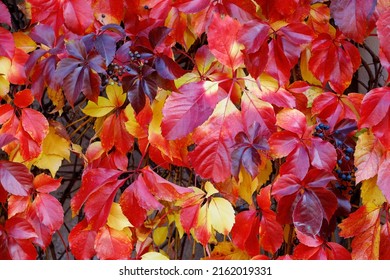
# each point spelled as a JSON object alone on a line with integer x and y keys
{"x": 161, "y": 129}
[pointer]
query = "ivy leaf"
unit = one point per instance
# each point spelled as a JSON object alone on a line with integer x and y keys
{"x": 139, "y": 85}
{"x": 384, "y": 37}
{"x": 305, "y": 202}
{"x": 5, "y": 16}
{"x": 214, "y": 139}
{"x": 334, "y": 60}
{"x": 82, "y": 240}
{"x": 115, "y": 134}
{"x": 116, "y": 219}
{"x": 15, "y": 178}
{"x": 144, "y": 194}
{"x": 79, "y": 72}
{"x": 223, "y": 41}
{"x": 375, "y": 113}
{"x": 364, "y": 225}
{"x": 368, "y": 154}
{"x": 113, "y": 244}
{"x": 108, "y": 11}
{"x": 49, "y": 211}
{"x": 45, "y": 184}
{"x": 187, "y": 109}
{"x": 355, "y": 18}
{"x": 7, "y": 44}
{"x": 5, "y": 139}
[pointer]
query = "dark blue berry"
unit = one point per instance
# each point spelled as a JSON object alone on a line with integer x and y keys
{"x": 344, "y": 177}
{"x": 321, "y": 135}
{"x": 338, "y": 143}
{"x": 347, "y": 158}
{"x": 338, "y": 171}
{"x": 349, "y": 150}
{"x": 326, "y": 127}
{"x": 339, "y": 161}
{"x": 349, "y": 177}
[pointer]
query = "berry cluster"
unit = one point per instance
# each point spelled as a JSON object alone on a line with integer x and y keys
{"x": 345, "y": 170}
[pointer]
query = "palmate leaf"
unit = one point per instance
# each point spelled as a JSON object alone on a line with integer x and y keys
{"x": 75, "y": 14}
{"x": 15, "y": 178}
{"x": 375, "y": 113}
{"x": 305, "y": 202}
{"x": 355, "y": 18}
{"x": 255, "y": 229}
{"x": 78, "y": 72}
{"x": 214, "y": 140}
{"x": 364, "y": 225}
{"x": 112, "y": 244}
{"x": 5, "y": 16}
{"x": 187, "y": 109}
{"x": 223, "y": 43}
{"x": 144, "y": 194}
{"x": 334, "y": 60}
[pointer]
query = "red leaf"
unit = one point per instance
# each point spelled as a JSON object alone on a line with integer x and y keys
{"x": 15, "y": 178}
{"x": 21, "y": 249}
{"x": 19, "y": 228}
{"x": 5, "y": 139}
{"x": 49, "y": 211}
{"x": 253, "y": 34}
{"x": 325, "y": 251}
{"x": 222, "y": 38}
{"x": 189, "y": 6}
{"x": 7, "y": 44}
{"x": 114, "y": 133}
{"x": 214, "y": 139}
{"x": 78, "y": 15}
{"x": 81, "y": 241}
{"x": 35, "y": 124}
{"x": 384, "y": 176}
{"x": 108, "y": 11}
{"x": 5, "y": 16}
{"x": 375, "y": 111}
{"x": 44, "y": 234}
{"x": 98, "y": 206}
{"x": 91, "y": 181}
{"x": 136, "y": 200}
{"x": 111, "y": 244}
{"x": 308, "y": 214}
{"x": 191, "y": 107}
{"x": 23, "y": 98}
{"x": 255, "y": 110}
{"x": 161, "y": 188}
{"x": 45, "y": 184}
{"x": 355, "y": 18}
{"x": 245, "y": 230}
{"x": 384, "y": 253}
{"x": 383, "y": 24}
{"x": 334, "y": 60}
{"x": 364, "y": 226}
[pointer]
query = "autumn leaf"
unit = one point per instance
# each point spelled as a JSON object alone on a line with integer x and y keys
{"x": 188, "y": 108}
{"x": 226, "y": 48}
{"x": 15, "y": 178}
{"x": 113, "y": 244}
{"x": 383, "y": 36}
{"x": 211, "y": 157}
{"x": 354, "y": 18}
{"x": 79, "y": 72}
{"x": 82, "y": 241}
{"x": 364, "y": 225}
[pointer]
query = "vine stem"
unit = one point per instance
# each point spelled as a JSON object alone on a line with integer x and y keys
{"x": 65, "y": 246}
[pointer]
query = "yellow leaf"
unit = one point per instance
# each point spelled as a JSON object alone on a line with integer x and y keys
{"x": 116, "y": 219}
{"x": 115, "y": 95}
{"x": 58, "y": 99}
{"x": 221, "y": 215}
{"x": 4, "y": 86}
{"x": 246, "y": 186}
{"x": 54, "y": 149}
{"x": 160, "y": 235}
{"x": 265, "y": 171}
{"x": 227, "y": 251}
{"x": 307, "y": 75}
{"x": 132, "y": 126}
{"x": 5, "y": 65}
{"x": 103, "y": 107}
{"x": 370, "y": 192}
{"x": 24, "y": 42}
{"x": 210, "y": 189}
{"x": 157, "y": 256}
